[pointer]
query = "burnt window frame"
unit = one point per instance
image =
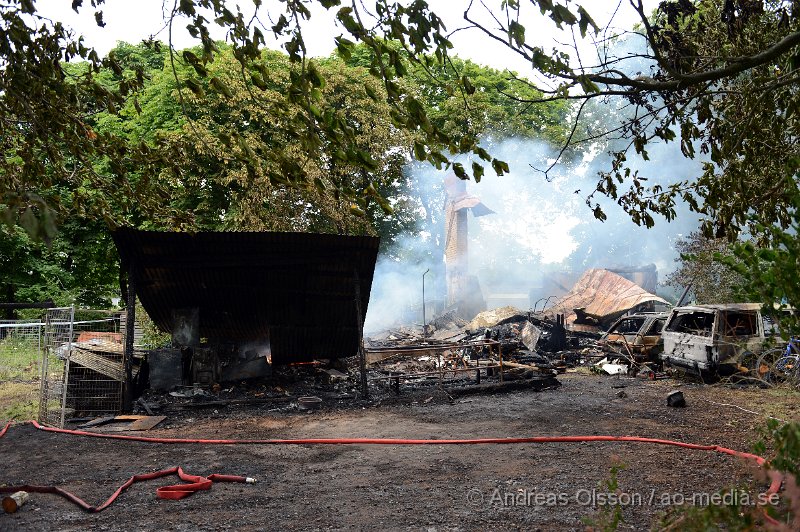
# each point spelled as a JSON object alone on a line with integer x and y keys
{"x": 640, "y": 319}
{"x": 737, "y": 330}
{"x": 651, "y": 331}
{"x": 679, "y": 323}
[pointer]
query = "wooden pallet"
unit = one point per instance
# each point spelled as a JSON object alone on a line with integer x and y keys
{"x": 104, "y": 359}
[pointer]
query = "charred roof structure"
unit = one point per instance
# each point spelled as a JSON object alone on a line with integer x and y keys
{"x": 601, "y": 296}
{"x": 306, "y": 294}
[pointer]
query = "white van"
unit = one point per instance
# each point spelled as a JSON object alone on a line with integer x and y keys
{"x": 713, "y": 339}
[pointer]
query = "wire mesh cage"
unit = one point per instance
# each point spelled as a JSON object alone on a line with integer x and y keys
{"x": 82, "y": 368}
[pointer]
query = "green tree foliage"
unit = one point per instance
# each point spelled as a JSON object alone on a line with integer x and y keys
{"x": 50, "y": 150}
{"x": 78, "y": 266}
{"x": 59, "y": 127}
{"x": 495, "y": 106}
{"x": 231, "y": 155}
{"x": 700, "y": 266}
{"x": 230, "y": 177}
{"x": 715, "y": 64}
{"x": 237, "y": 151}
{"x": 770, "y": 270}
{"x": 716, "y": 76}
{"x": 739, "y": 113}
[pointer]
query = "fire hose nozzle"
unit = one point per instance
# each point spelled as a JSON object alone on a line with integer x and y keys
{"x": 250, "y": 480}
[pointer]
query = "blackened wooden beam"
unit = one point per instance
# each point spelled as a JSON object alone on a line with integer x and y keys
{"x": 362, "y": 356}
{"x": 130, "y": 323}
{"x": 16, "y": 306}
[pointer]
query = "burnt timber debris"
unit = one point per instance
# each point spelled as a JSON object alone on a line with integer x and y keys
{"x": 606, "y": 322}
{"x": 250, "y": 312}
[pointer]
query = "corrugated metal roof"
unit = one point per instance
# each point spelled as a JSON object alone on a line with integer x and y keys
{"x": 604, "y": 295}
{"x": 297, "y": 289}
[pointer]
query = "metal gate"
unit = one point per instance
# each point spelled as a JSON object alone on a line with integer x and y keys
{"x": 58, "y": 330}
{"x": 81, "y": 368}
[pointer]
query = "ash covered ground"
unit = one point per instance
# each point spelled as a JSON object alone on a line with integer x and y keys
{"x": 437, "y": 487}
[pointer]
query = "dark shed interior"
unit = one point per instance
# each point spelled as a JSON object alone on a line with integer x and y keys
{"x": 298, "y": 290}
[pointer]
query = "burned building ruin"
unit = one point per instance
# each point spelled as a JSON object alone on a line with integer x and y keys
{"x": 463, "y": 289}
{"x": 236, "y": 303}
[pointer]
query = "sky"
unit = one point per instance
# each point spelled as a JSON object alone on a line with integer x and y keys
{"x": 132, "y": 21}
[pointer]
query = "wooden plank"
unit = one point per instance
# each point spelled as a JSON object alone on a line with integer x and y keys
{"x": 135, "y": 423}
{"x": 97, "y": 362}
{"x": 96, "y": 422}
{"x": 100, "y": 345}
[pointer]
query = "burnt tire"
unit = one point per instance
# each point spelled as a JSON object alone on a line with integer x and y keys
{"x": 749, "y": 360}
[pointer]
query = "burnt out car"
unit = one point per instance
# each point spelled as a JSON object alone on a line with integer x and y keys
{"x": 637, "y": 336}
{"x": 714, "y": 339}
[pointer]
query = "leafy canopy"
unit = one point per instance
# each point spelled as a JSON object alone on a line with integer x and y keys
{"x": 719, "y": 79}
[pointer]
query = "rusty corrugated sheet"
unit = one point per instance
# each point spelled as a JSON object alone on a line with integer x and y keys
{"x": 297, "y": 289}
{"x": 603, "y": 295}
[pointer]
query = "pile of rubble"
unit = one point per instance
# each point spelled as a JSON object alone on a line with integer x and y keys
{"x": 290, "y": 387}
{"x": 498, "y": 346}
{"x": 526, "y": 344}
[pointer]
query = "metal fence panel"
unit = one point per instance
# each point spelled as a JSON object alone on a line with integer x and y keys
{"x": 55, "y": 361}
{"x": 81, "y": 368}
{"x": 20, "y": 368}
{"x": 20, "y": 350}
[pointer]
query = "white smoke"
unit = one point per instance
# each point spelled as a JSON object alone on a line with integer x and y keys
{"x": 541, "y": 225}
{"x": 538, "y": 227}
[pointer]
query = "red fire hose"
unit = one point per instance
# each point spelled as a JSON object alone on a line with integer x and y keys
{"x": 203, "y": 483}
{"x": 174, "y": 492}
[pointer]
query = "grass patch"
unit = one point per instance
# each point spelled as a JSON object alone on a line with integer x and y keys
{"x": 19, "y": 400}
{"x": 780, "y": 401}
{"x": 19, "y": 359}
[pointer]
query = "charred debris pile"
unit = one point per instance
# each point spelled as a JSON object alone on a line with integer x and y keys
{"x": 451, "y": 353}
{"x": 535, "y": 345}
{"x": 504, "y": 344}
{"x": 276, "y": 319}
{"x": 500, "y": 349}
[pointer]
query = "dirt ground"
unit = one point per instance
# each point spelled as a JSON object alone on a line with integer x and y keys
{"x": 438, "y": 487}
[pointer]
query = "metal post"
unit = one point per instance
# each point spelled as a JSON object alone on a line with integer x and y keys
{"x": 500, "y": 355}
{"x": 42, "y": 355}
{"x": 44, "y": 391}
{"x": 127, "y": 357}
{"x": 424, "y": 331}
{"x": 685, "y": 293}
{"x": 65, "y": 380}
{"x": 362, "y": 356}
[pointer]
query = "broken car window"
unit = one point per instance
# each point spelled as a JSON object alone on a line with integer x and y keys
{"x": 656, "y": 327}
{"x": 698, "y": 323}
{"x": 627, "y": 326}
{"x": 740, "y": 324}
